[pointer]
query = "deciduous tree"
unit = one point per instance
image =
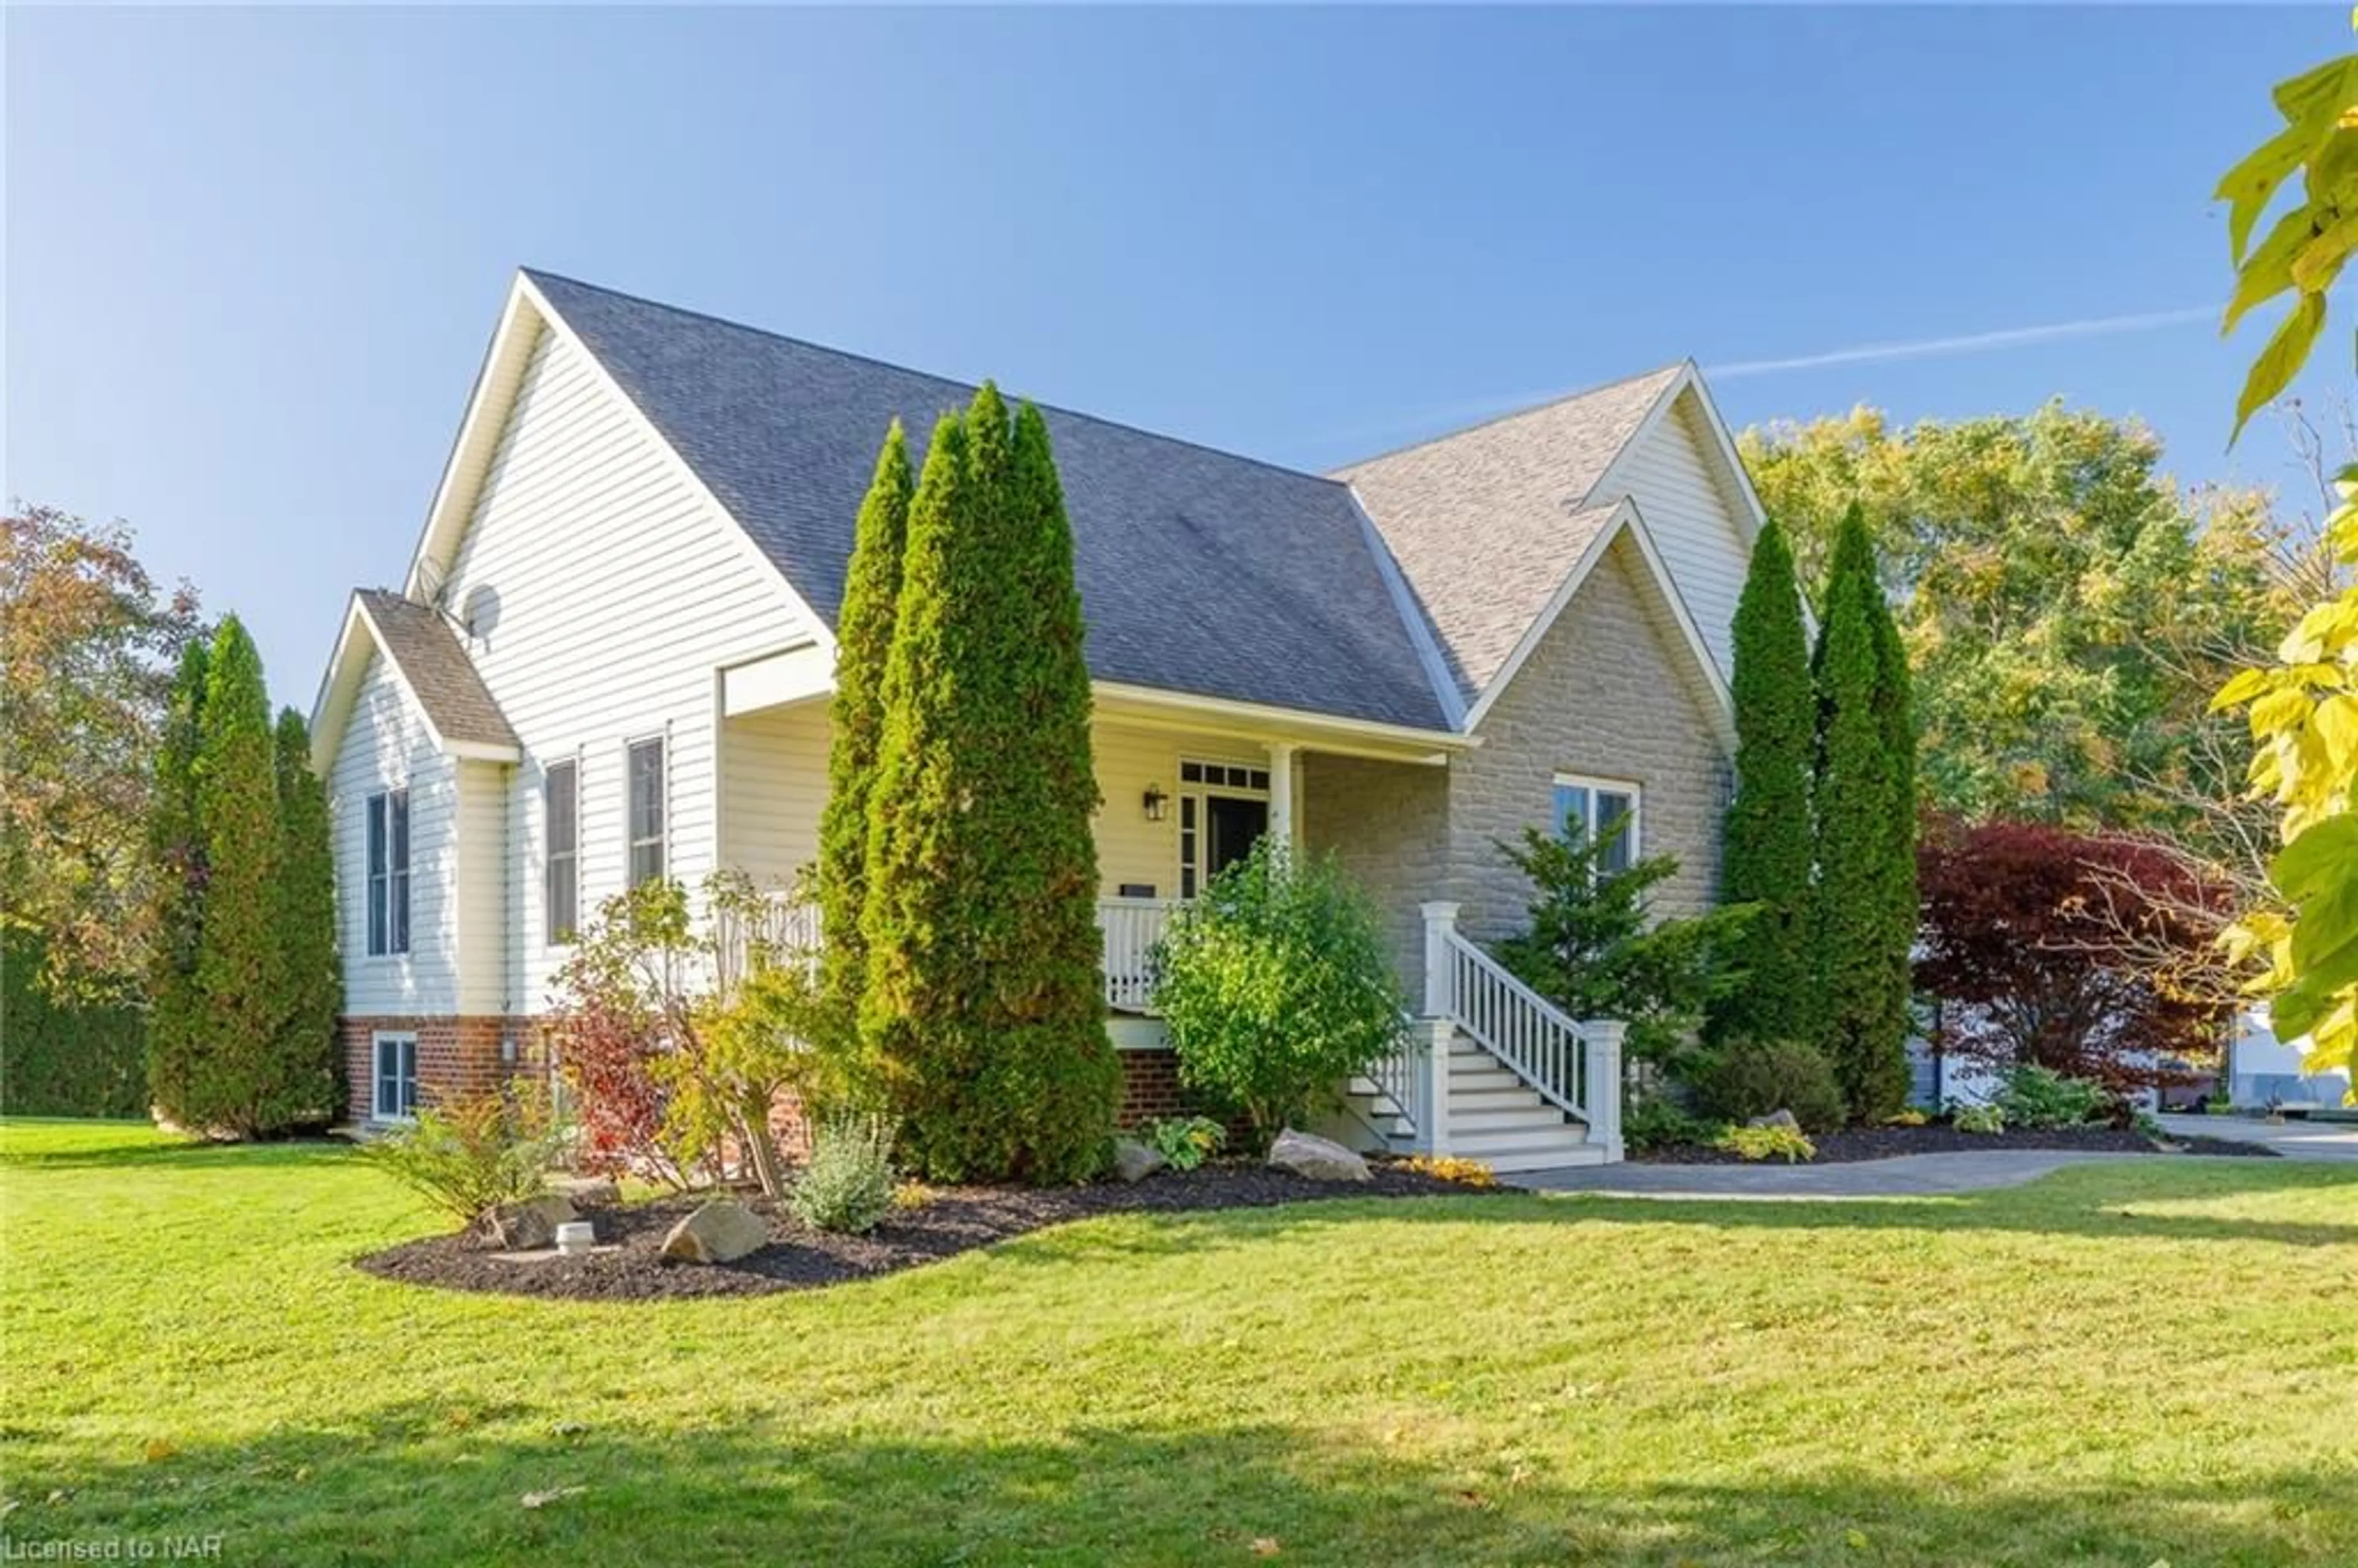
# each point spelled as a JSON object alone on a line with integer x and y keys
{"x": 2303, "y": 706}
{"x": 2067, "y": 609}
{"x": 88, "y": 641}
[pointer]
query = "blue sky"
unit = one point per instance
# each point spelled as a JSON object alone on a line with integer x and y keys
{"x": 253, "y": 258}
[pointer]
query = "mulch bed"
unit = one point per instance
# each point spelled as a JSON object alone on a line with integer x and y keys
{"x": 627, "y": 1265}
{"x": 1938, "y": 1138}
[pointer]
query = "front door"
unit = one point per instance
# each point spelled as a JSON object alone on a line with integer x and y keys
{"x": 1234, "y": 822}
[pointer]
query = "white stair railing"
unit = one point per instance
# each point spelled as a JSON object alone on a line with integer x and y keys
{"x": 1571, "y": 1064}
{"x": 1404, "y": 1074}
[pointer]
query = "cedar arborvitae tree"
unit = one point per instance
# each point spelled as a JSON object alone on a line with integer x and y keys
{"x": 1901, "y": 903}
{"x": 1053, "y": 1004}
{"x": 863, "y": 644}
{"x": 983, "y": 1003}
{"x": 175, "y": 853}
{"x": 1861, "y": 1005}
{"x": 241, "y": 980}
{"x": 923, "y": 983}
{"x": 307, "y": 924}
{"x": 1768, "y": 848}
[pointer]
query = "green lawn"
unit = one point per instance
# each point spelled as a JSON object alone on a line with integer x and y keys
{"x": 2121, "y": 1364}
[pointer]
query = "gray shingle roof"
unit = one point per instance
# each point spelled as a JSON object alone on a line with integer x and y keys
{"x": 437, "y": 669}
{"x": 1487, "y": 523}
{"x": 1199, "y": 571}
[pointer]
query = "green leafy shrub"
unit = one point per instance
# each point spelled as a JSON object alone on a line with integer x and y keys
{"x": 1779, "y": 1142}
{"x": 1745, "y": 1078}
{"x": 1185, "y": 1140}
{"x": 469, "y": 1154}
{"x": 1657, "y": 1121}
{"x": 1986, "y": 1119}
{"x": 849, "y": 1184}
{"x": 2042, "y": 1097}
{"x": 1276, "y": 987}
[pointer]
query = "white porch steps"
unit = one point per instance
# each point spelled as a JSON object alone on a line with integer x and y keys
{"x": 1494, "y": 1117}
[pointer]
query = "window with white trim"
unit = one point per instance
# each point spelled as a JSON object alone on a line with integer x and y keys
{"x": 646, "y": 810}
{"x": 394, "y": 1098}
{"x": 388, "y": 872}
{"x": 561, "y": 823}
{"x": 1599, "y": 810}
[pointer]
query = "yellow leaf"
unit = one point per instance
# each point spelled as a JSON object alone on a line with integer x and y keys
{"x": 2269, "y": 270}
{"x": 159, "y": 1449}
{"x": 2320, "y": 260}
{"x": 2245, "y": 686}
{"x": 2280, "y": 361}
{"x": 2280, "y": 712}
{"x": 2336, "y": 723}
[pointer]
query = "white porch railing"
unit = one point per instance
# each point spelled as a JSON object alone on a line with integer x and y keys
{"x": 1131, "y": 926}
{"x": 785, "y": 926}
{"x": 1571, "y": 1064}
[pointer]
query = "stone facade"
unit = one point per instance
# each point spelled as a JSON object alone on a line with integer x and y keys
{"x": 1609, "y": 694}
{"x": 1387, "y": 823}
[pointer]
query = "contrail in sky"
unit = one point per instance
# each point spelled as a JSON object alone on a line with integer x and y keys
{"x": 1972, "y": 342}
{"x": 1450, "y": 415}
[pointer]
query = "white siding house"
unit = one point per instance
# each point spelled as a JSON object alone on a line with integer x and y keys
{"x": 598, "y": 589}
{"x": 387, "y": 747}
{"x": 623, "y": 592}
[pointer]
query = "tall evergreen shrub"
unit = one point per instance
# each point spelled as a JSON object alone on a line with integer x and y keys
{"x": 306, "y": 920}
{"x": 1768, "y": 845}
{"x": 1862, "y": 939}
{"x": 176, "y": 852}
{"x": 863, "y": 645}
{"x": 983, "y": 1000}
{"x": 241, "y": 979}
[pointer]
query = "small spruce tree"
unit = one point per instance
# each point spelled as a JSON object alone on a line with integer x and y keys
{"x": 1767, "y": 847}
{"x": 1861, "y": 1005}
{"x": 176, "y": 854}
{"x": 863, "y": 644}
{"x": 241, "y": 981}
{"x": 306, "y": 926}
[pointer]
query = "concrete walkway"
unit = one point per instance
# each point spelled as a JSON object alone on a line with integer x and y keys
{"x": 2295, "y": 1140}
{"x": 1907, "y": 1175}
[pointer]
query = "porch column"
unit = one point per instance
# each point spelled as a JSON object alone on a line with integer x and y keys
{"x": 1281, "y": 826}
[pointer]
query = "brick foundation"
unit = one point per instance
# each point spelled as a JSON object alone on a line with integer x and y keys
{"x": 456, "y": 1055}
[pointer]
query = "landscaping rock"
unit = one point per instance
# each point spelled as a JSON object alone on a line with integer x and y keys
{"x": 1319, "y": 1158}
{"x": 1775, "y": 1119}
{"x": 719, "y": 1232}
{"x": 1134, "y": 1161}
{"x": 523, "y": 1227}
{"x": 588, "y": 1192}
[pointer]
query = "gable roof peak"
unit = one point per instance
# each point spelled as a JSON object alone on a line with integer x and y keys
{"x": 1643, "y": 389}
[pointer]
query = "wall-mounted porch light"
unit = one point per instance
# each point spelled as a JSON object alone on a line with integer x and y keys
{"x": 1155, "y": 801}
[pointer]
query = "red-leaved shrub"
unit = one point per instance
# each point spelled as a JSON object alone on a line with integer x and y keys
{"x": 2055, "y": 948}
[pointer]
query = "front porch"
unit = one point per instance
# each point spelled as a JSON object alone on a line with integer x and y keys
{"x": 1488, "y": 1070}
